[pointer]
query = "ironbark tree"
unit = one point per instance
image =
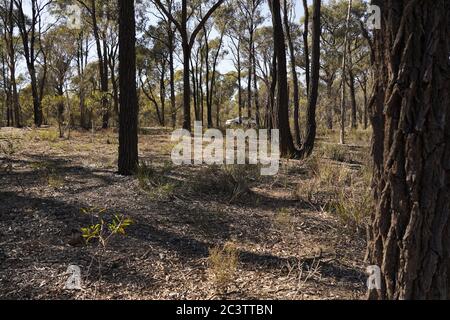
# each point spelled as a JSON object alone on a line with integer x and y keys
{"x": 410, "y": 113}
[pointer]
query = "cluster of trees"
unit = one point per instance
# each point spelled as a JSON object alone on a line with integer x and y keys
{"x": 202, "y": 60}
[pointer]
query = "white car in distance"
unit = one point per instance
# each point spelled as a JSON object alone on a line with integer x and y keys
{"x": 246, "y": 122}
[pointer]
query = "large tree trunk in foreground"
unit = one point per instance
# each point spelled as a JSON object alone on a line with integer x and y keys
{"x": 128, "y": 115}
{"x": 410, "y": 233}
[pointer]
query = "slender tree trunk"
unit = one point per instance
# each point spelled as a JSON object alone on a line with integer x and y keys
{"x": 9, "y": 37}
{"x": 81, "y": 65}
{"x": 239, "y": 80}
{"x": 173, "y": 107}
{"x": 363, "y": 85}
{"x": 273, "y": 88}
{"x": 7, "y": 91}
{"x": 207, "y": 81}
{"x": 255, "y": 88}
{"x": 15, "y": 95}
{"x": 186, "y": 87}
{"x": 34, "y": 92}
{"x": 250, "y": 73}
{"x": 365, "y": 112}
{"x": 331, "y": 102}
{"x": 162, "y": 93}
{"x": 311, "y": 127}
{"x": 199, "y": 116}
{"x": 213, "y": 77}
{"x": 195, "y": 86}
{"x": 351, "y": 79}
{"x": 351, "y": 83}
{"x": 115, "y": 92}
{"x": 105, "y": 87}
{"x": 102, "y": 66}
{"x": 410, "y": 113}
{"x": 60, "y": 110}
{"x": 344, "y": 74}
{"x": 306, "y": 45}
{"x": 297, "y": 134}
{"x": 128, "y": 116}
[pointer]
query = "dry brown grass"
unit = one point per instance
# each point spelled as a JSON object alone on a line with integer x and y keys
{"x": 222, "y": 265}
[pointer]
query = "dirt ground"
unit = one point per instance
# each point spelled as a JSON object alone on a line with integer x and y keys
{"x": 288, "y": 245}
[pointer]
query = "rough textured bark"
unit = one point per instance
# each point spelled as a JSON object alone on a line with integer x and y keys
{"x": 410, "y": 113}
{"x": 128, "y": 116}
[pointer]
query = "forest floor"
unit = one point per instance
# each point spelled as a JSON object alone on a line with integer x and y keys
{"x": 196, "y": 232}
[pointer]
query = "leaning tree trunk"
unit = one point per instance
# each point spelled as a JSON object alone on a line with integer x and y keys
{"x": 128, "y": 114}
{"x": 410, "y": 111}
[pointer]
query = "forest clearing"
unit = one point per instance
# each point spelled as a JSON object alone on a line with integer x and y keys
{"x": 290, "y": 240}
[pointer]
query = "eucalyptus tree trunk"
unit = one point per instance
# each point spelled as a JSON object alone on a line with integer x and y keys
{"x": 128, "y": 116}
{"x": 410, "y": 111}
{"x": 296, "y": 98}
{"x": 281, "y": 112}
{"x": 344, "y": 73}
